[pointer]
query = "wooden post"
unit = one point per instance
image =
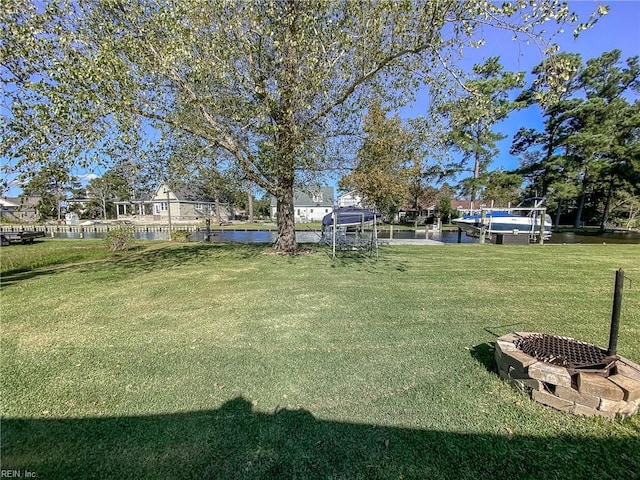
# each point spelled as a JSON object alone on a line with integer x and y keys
{"x": 459, "y": 235}
{"x": 375, "y": 232}
{"x": 168, "y": 209}
{"x": 615, "y": 313}
{"x": 391, "y": 232}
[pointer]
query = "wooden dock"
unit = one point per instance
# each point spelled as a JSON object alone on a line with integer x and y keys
{"x": 22, "y": 237}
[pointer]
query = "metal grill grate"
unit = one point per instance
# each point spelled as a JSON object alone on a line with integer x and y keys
{"x": 562, "y": 351}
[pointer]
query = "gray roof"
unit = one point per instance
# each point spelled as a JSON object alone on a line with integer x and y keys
{"x": 24, "y": 200}
{"x": 311, "y": 197}
{"x": 189, "y": 193}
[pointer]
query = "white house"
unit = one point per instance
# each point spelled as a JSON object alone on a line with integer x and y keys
{"x": 349, "y": 199}
{"x": 309, "y": 205}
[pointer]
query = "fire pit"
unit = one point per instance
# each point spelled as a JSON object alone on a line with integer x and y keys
{"x": 566, "y": 352}
{"x": 569, "y": 375}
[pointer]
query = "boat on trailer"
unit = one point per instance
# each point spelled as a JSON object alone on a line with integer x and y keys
{"x": 523, "y": 219}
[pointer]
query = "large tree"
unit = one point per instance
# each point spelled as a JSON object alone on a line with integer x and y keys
{"x": 383, "y": 170}
{"x": 471, "y": 119}
{"x": 52, "y": 184}
{"x": 270, "y": 82}
{"x": 587, "y": 152}
{"x": 112, "y": 186}
{"x": 606, "y": 128}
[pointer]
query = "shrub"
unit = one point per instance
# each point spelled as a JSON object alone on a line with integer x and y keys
{"x": 180, "y": 236}
{"x": 119, "y": 238}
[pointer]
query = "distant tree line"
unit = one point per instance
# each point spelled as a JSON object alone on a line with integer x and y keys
{"x": 585, "y": 160}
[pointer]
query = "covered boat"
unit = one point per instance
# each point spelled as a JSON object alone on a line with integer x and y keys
{"x": 350, "y": 228}
{"x": 349, "y": 217}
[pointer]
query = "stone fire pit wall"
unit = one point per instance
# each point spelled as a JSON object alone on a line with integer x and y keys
{"x": 581, "y": 394}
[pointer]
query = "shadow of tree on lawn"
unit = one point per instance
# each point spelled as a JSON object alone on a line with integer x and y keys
{"x": 140, "y": 260}
{"x": 235, "y": 441}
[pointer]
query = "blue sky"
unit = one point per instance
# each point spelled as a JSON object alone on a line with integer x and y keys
{"x": 619, "y": 29}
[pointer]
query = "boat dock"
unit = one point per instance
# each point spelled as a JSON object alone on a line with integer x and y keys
{"x": 409, "y": 241}
{"x": 22, "y": 237}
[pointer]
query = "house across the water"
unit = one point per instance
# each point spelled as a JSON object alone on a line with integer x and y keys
{"x": 22, "y": 209}
{"x": 182, "y": 204}
{"x": 309, "y": 205}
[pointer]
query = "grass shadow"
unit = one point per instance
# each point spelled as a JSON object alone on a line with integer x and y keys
{"x": 237, "y": 441}
{"x": 142, "y": 259}
{"x": 485, "y": 355}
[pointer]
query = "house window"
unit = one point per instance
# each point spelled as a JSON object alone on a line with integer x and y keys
{"x": 311, "y": 210}
{"x": 163, "y": 206}
{"x": 298, "y": 212}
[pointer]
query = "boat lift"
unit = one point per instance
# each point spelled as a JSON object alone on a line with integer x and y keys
{"x": 345, "y": 228}
{"x": 537, "y": 215}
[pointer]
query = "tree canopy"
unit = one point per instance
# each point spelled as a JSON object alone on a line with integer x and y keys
{"x": 271, "y": 83}
{"x": 590, "y": 143}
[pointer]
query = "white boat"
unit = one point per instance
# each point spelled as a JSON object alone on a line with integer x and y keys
{"x": 520, "y": 220}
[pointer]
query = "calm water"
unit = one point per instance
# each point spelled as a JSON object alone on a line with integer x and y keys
{"x": 263, "y": 236}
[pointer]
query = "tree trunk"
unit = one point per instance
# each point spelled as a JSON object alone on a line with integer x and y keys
{"x": 286, "y": 239}
{"x": 250, "y": 203}
{"x": 577, "y": 223}
{"x": 558, "y": 213}
{"x": 607, "y": 204}
{"x": 216, "y": 200}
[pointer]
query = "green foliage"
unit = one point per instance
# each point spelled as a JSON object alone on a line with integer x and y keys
{"x": 52, "y": 183}
{"x": 445, "y": 212}
{"x": 382, "y": 172}
{"x": 471, "y": 119}
{"x": 266, "y": 82}
{"x": 119, "y": 238}
{"x": 503, "y": 188}
{"x": 586, "y": 157}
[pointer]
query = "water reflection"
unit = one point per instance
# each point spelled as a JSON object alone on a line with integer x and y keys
{"x": 266, "y": 236}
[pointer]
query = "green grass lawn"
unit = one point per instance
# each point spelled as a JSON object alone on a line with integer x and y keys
{"x": 221, "y": 361}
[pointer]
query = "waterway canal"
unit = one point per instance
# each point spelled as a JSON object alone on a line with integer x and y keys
{"x": 268, "y": 236}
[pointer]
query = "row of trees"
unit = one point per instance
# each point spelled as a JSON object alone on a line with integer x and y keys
{"x": 585, "y": 160}
{"x": 273, "y": 86}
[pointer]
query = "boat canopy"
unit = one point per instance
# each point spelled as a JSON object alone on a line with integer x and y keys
{"x": 349, "y": 216}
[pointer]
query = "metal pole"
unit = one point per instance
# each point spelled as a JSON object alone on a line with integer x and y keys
{"x": 375, "y": 232}
{"x": 615, "y": 314}
{"x": 483, "y": 228}
{"x": 541, "y": 232}
{"x": 333, "y": 234}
